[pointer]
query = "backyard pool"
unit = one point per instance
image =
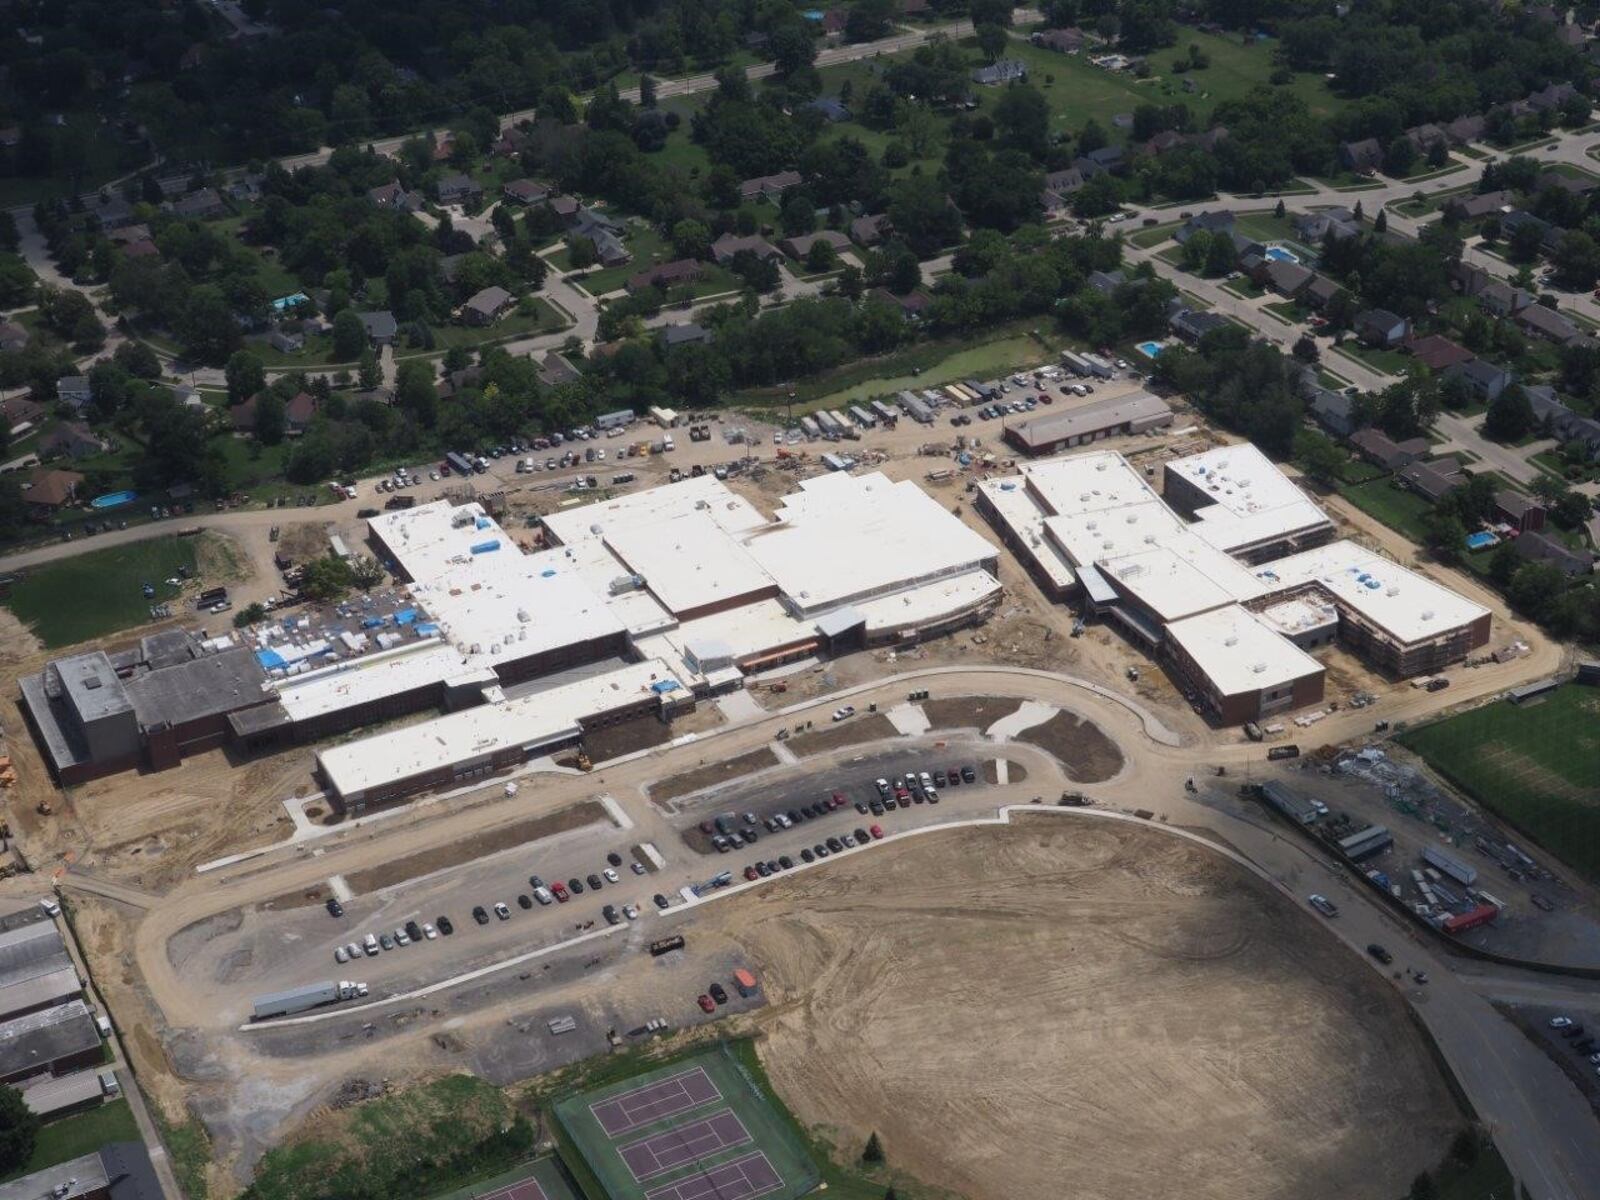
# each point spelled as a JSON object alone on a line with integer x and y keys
{"x": 1149, "y": 349}
{"x": 1481, "y": 540}
{"x": 1279, "y": 254}
{"x": 113, "y": 500}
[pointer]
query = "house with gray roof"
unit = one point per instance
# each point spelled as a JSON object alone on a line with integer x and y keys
{"x": 381, "y": 327}
{"x": 1003, "y": 71}
{"x": 485, "y": 307}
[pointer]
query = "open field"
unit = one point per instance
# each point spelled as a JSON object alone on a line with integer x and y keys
{"x": 1119, "y": 1007}
{"x": 1537, "y": 765}
{"x": 1386, "y": 500}
{"x": 868, "y": 727}
{"x": 97, "y": 593}
{"x": 968, "y": 712}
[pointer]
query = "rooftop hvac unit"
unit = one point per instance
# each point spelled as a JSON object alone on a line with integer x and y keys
{"x": 1230, "y": 640}
{"x": 1259, "y": 668}
{"x": 522, "y": 615}
{"x": 1427, "y": 614}
{"x": 1393, "y": 591}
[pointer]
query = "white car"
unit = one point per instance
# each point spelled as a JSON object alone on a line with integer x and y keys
{"x": 402, "y": 938}
{"x": 840, "y": 714}
{"x": 433, "y": 475}
{"x": 611, "y": 874}
{"x": 501, "y": 911}
{"x": 370, "y": 946}
{"x": 638, "y": 868}
{"x": 631, "y": 911}
{"x": 340, "y": 954}
{"x": 1560, "y": 1022}
{"x": 429, "y": 932}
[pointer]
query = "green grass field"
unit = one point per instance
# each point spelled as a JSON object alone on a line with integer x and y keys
{"x": 99, "y": 592}
{"x": 770, "y": 1133}
{"x": 80, "y": 1134}
{"x": 1536, "y": 764}
{"x": 1397, "y": 508}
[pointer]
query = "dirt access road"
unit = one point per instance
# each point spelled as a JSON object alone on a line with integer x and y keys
{"x": 1119, "y": 1008}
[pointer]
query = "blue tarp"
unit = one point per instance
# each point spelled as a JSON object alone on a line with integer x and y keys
{"x": 662, "y": 686}
{"x": 371, "y": 622}
{"x": 428, "y": 630}
{"x": 483, "y": 522}
{"x": 290, "y": 301}
{"x": 270, "y": 660}
{"x": 405, "y": 616}
{"x": 485, "y": 547}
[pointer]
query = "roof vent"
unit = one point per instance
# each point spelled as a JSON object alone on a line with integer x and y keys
{"x": 1230, "y": 640}
{"x": 1259, "y": 668}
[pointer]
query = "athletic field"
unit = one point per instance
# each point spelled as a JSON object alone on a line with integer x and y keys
{"x": 698, "y": 1128}
{"x": 1536, "y": 764}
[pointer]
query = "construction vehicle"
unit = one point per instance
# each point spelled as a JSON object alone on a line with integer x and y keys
{"x": 585, "y": 763}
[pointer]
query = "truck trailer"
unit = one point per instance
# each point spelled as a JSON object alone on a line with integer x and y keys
{"x": 1471, "y": 919}
{"x": 1369, "y": 841}
{"x": 1462, "y": 873}
{"x": 300, "y": 999}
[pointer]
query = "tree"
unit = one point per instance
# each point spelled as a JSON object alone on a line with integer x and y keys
{"x": 1571, "y": 509}
{"x": 869, "y": 20}
{"x": 1510, "y": 416}
{"x": 691, "y": 239}
{"x": 1319, "y": 456}
{"x": 1444, "y": 532}
{"x": 647, "y": 91}
{"x": 245, "y": 374}
{"x": 271, "y": 418}
{"x": 1380, "y": 223}
{"x": 367, "y": 373}
{"x": 327, "y": 579}
{"x": 1022, "y": 118}
{"x": 207, "y": 328}
{"x": 1305, "y": 349}
{"x": 991, "y": 40}
{"x": 872, "y": 1152}
{"x": 349, "y": 336}
{"x": 19, "y": 1127}
{"x": 821, "y": 257}
{"x": 138, "y": 360}
{"x": 250, "y": 614}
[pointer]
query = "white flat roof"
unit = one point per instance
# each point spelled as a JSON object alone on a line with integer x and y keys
{"x": 1252, "y": 500}
{"x": 930, "y": 603}
{"x": 704, "y": 493}
{"x": 1022, "y": 515}
{"x": 428, "y": 539}
{"x": 688, "y": 560}
{"x": 1087, "y": 482}
{"x": 1299, "y": 614}
{"x": 1176, "y": 581}
{"x": 1238, "y": 653}
{"x": 1410, "y": 607}
{"x": 476, "y": 734}
{"x": 844, "y": 538}
{"x": 386, "y": 673}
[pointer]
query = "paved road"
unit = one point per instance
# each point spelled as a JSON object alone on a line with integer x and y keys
{"x": 1464, "y": 434}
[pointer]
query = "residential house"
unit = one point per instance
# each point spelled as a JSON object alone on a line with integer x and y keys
{"x": 1320, "y": 291}
{"x": 458, "y": 189}
{"x": 1518, "y": 220}
{"x": 1337, "y": 223}
{"x": 1424, "y": 138}
{"x": 247, "y": 188}
{"x": 1381, "y": 328}
{"x": 113, "y": 212}
{"x": 1559, "y": 421}
{"x": 1522, "y": 513}
{"x": 286, "y": 341}
{"x": 728, "y": 245}
{"x": 510, "y": 143}
{"x": 393, "y": 196}
{"x": 870, "y": 230}
{"x": 381, "y": 327}
{"x": 1502, "y": 300}
{"x": 1062, "y": 41}
{"x": 1464, "y": 130}
{"x": 13, "y": 336}
{"x": 1381, "y": 450}
{"x": 198, "y": 206}
{"x": 526, "y": 191}
{"x": 188, "y": 397}
{"x": 21, "y": 414}
{"x": 1288, "y": 279}
{"x": 798, "y": 248}
{"x": 1571, "y": 36}
{"x": 299, "y": 412}
{"x": 833, "y": 111}
{"x": 1552, "y": 97}
{"x": 688, "y": 334}
{"x": 1546, "y": 323}
{"x": 1478, "y": 205}
{"x": 1334, "y": 411}
{"x": 769, "y": 187}
{"x": 1469, "y": 280}
{"x": 1002, "y": 71}
{"x": 1483, "y": 379}
{"x": 1207, "y": 222}
{"x": 556, "y": 370}
{"x": 1192, "y": 325}
{"x": 1106, "y": 282}
{"x": 1363, "y": 157}
{"x": 73, "y": 390}
{"x": 834, "y": 21}
{"x": 1059, "y": 187}
{"x": 608, "y": 247}
{"x": 1437, "y": 352}
{"x": 139, "y": 248}
{"x": 667, "y": 275}
{"x": 1107, "y": 159}
{"x": 1576, "y": 184}
{"x": 72, "y": 440}
{"x": 912, "y": 305}
{"x": 565, "y": 207}
{"x": 242, "y": 416}
{"x": 485, "y": 307}
{"x": 1542, "y": 548}
{"x": 51, "y": 491}
{"x": 1433, "y": 480}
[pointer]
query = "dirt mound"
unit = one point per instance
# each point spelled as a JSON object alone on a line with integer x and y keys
{"x": 1121, "y": 1008}
{"x": 1088, "y": 755}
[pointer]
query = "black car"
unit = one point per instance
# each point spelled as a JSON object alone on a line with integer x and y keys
{"x": 609, "y": 912}
{"x": 575, "y": 886}
{"x": 761, "y": 870}
{"x": 661, "y": 901}
{"x": 861, "y": 807}
{"x": 939, "y": 779}
{"x": 917, "y": 796}
{"x": 785, "y": 861}
{"x": 386, "y": 941}
{"x": 807, "y": 856}
{"x": 524, "y": 901}
{"x": 445, "y": 925}
{"x": 750, "y": 838}
{"x": 1379, "y": 953}
{"x": 835, "y": 845}
{"x": 614, "y": 859}
{"x": 480, "y": 914}
{"x": 772, "y": 866}
{"x": 595, "y": 882}
{"x": 820, "y": 850}
{"x": 795, "y": 816}
{"x": 863, "y": 837}
{"x": 968, "y": 775}
{"x": 413, "y": 931}
{"x": 535, "y": 882}
{"x": 718, "y": 993}
{"x": 876, "y": 808}
{"x": 335, "y": 909}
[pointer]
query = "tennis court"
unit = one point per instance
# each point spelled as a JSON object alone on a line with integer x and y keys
{"x": 698, "y": 1128}
{"x": 662, "y": 1152}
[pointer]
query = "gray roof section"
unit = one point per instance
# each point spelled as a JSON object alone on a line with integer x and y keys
{"x": 46, "y": 1036}
{"x": 78, "y": 1177}
{"x": 63, "y": 741}
{"x": 92, "y": 686}
{"x": 202, "y": 687}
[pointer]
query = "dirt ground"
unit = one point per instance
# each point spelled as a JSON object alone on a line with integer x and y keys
{"x": 1122, "y": 1010}
{"x": 868, "y": 727}
{"x": 1088, "y": 755}
{"x": 713, "y": 773}
{"x": 453, "y": 854}
{"x": 968, "y": 712}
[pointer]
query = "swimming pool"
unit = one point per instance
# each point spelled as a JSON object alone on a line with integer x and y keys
{"x": 1481, "y": 540}
{"x": 113, "y": 500}
{"x": 1279, "y": 254}
{"x": 1149, "y": 349}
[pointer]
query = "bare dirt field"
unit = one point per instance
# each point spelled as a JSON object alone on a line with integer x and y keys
{"x": 1086, "y": 753}
{"x": 1123, "y": 1009}
{"x": 869, "y": 727}
{"x": 453, "y": 854}
{"x": 968, "y": 712}
{"x": 713, "y": 773}
{"x": 645, "y": 733}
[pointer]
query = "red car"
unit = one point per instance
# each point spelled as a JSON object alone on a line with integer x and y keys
{"x": 836, "y": 800}
{"x": 876, "y": 831}
{"x": 751, "y": 873}
{"x": 559, "y": 891}
{"x": 706, "y": 1003}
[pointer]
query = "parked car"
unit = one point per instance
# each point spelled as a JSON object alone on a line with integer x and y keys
{"x": 718, "y": 993}
{"x": 877, "y": 832}
{"x": 446, "y": 926}
{"x": 661, "y": 901}
{"x": 523, "y": 901}
{"x": 480, "y": 915}
{"x": 501, "y": 911}
{"x": 335, "y": 909}
{"x": 559, "y": 891}
{"x": 611, "y": 875}
{"x": 429, "y": 932}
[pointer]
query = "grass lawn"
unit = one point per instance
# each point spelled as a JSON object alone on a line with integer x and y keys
{"x": 1397, "y": 508}
{"x": 97, "y": 593}
{"x": 1289, "y": 311}
{"x": 1245, "y": 287}
{"x": 318, "y": 352}
{"x": 543, "y": 319}
{"x": 80, "y": 1134}
{"x": 1146, "y": 238}
{"x": 1391, "y": 362}
{"x": 1537, "y": 765}
{"x": 648, "y": 248}
{"x": 255, "y": 469}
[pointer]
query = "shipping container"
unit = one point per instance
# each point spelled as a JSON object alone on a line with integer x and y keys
{"x": 666, "y": 945}
{"x": 827, "y": 423}
{"x": 1290, "y": 803}
{"x": 460, "y": 463}
{"x": 614, "y": 420}
{"x": 1471, "y": 919}
{"x": 1365, "y": 844}
{"x": 918, "y": 410}
{"x": 1278, "y": 752}
{"x": 1452, "y": 866}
